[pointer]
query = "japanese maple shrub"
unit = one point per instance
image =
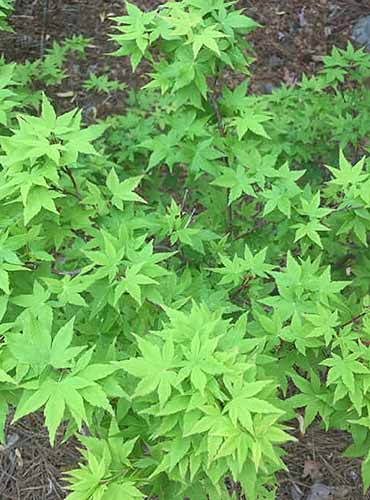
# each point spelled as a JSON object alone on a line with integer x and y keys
{"x": 179, "y": 292}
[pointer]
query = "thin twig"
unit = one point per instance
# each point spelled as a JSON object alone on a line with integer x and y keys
{"x": 215, "y": 106}
{"x": 44, "y": 26}
{"x": 64, "y": 191}
{"x": 72, "y": 274}
{"x": 259, "y": 224}
{"x": 190, "y": 218}
{"x": 229, "y": 214}
{"x": 221, "y": 128}
{"x": 183, "y": 201}
{"x": 243, "y": 286}
{"x": 354, "y": 319}
{"x": 348, "y": 207}
{"x": 68, "y": 171}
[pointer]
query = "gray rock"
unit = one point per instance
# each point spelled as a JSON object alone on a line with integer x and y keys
{"x": 267, "y": 88}
{"x": 320, "y": 491}
{"x": 275, "y": 61}
{"x": 361, "y": 32}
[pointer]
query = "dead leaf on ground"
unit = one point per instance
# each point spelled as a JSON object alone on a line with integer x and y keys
{"x": 19, "y": 458}
{"x": 69, "y": 93}
{"x": 301, "y": 426}
{"x": 312, "y": 469}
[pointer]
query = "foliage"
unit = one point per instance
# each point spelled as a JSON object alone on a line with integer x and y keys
{"x": 102, "y": 84}
{"x": 6, "y": 7}
{"x": 184, "y": 280}
{"x": 77, "y": 44}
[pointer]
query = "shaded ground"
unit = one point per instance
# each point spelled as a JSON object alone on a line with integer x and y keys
{"x": 296, "y": 34}
{"x": 316, "y": 459}
{"x": 29, "y": 468}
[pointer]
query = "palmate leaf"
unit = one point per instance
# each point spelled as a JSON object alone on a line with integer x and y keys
{"x": 123, "y": 191}
{"x": 310, "y": 229}
{"x": 94, "y": 477}
{"x": 132, "y": 283}
{"x": 36, "y": 347}
{"x": 237, "y": 181}
{"x": 154, "y": 368}
{"x": 347, "y": 175}
{"x": 237, "y": 20}
{"x": 252, "y": 122}
{"x": 69, "y": 289}
{"x": 58, "y": 138}
{"x": 32, "y": 346}
{"x": 208, "y": 38}
{"x": 345, "y": 369}
{"x": 37, "y": 199}
{"x": 72, "y": 393}
{"x": 245, "y": 403}
{"x": 234, "y": 271}
{"x": 313, "y": 397}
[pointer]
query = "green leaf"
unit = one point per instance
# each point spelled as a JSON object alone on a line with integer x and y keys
{"x": 32, "y": 401}
{"x": 122, "y": 489}
{"x": 208, "y": 38}
{"x": 4, "y": 281}
{"x": 95, "y": 396}
{"x": 123, "y": 191}
{"x": 237, "y": 20}
{"x": 59, "y": 348}
{"x": 37, "y": 199}
{"x": 198, "y": 379}
{"x": 253, "y": 123}
{"x": 54, "y": 412}
{"x": 48, "y": 114}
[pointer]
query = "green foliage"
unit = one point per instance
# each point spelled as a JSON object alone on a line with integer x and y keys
{"x": 187, "y": 278}
{"x": 77, "y": 44}
{"x": 103, "y": 84}
{"x": 6, "y": 7}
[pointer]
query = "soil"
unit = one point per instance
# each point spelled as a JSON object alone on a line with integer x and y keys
{"x": 296, "y": 34}
{"x": 29, "y": 468}
{"x": 317, "y": 459}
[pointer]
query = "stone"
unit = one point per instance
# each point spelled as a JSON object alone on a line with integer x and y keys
{"x": 361, "y": 32}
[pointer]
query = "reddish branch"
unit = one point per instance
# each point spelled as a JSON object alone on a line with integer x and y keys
{"x": 243, "y": 286}
{"x": 68, "y": 171}
{"x": 354, "y": 319}
{"x": 221, "y": 128}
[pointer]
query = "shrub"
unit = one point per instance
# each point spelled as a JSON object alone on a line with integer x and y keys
{"x": 187, "y": 286}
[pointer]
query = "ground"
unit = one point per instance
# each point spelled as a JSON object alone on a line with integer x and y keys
{"x": 296, "y": 34}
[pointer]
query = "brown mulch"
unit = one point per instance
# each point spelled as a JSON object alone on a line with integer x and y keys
{"x": 295, "y": 35}
{"x": 316, "y": 458}
{"x": 29, "y": 468}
